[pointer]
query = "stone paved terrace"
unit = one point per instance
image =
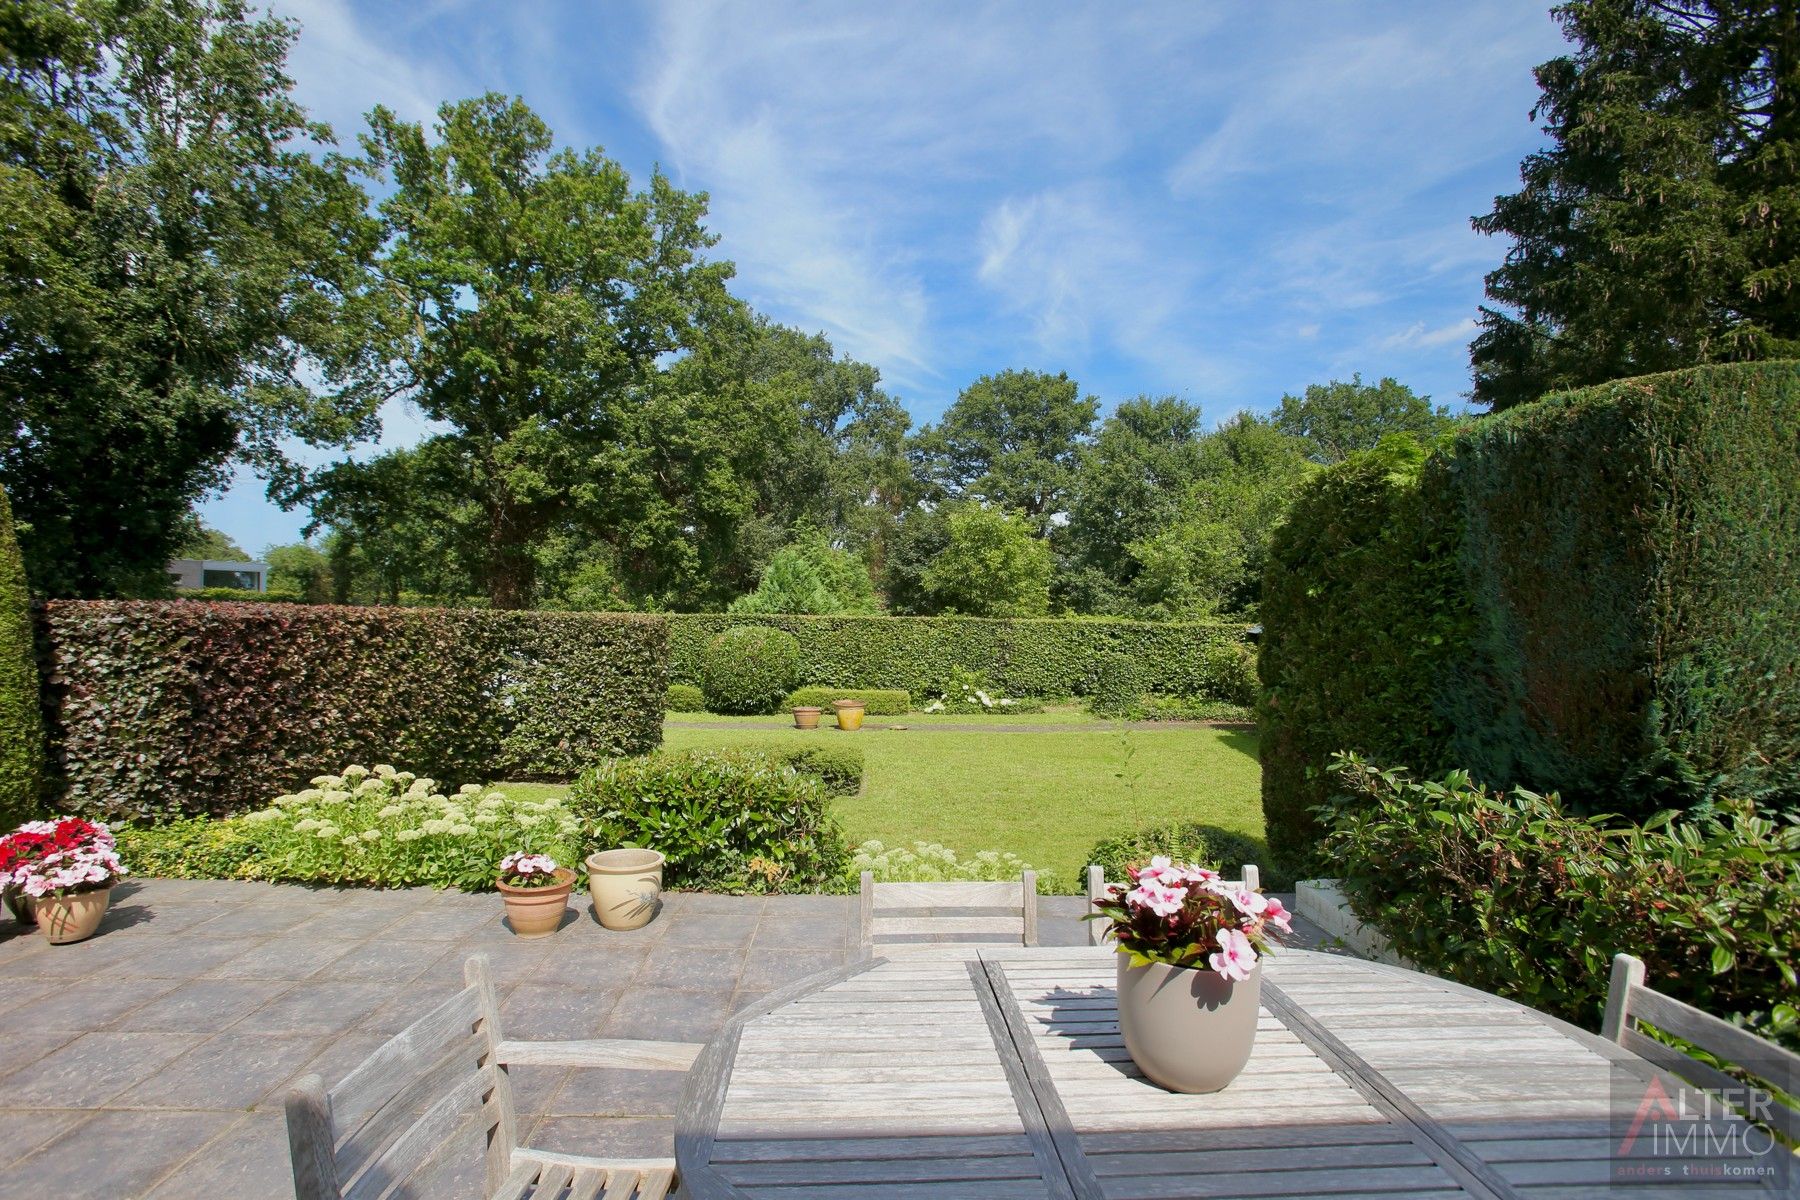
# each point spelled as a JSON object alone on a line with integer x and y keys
{"x": 151, "y": 1061}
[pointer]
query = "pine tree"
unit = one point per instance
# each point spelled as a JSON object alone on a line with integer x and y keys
{"x": 1658, "y": 230}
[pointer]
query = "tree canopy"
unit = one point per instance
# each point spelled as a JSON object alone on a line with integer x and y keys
{"x": 181, "y": 282}
{"x": 1659, "y": 228}
{"x": 1337, "y": 419}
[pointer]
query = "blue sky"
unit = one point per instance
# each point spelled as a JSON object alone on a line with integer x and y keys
{"x": 1224, "y": 202}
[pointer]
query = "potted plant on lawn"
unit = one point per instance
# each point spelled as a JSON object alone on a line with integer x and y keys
{"x": 1189, "y": 970}
{"x": 69, "y": 877}
{"x": 849, "y": 713}
{"x": 536, "y": 892}
{"x": 806, "y": 717}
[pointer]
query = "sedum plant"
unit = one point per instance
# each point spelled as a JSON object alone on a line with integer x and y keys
{"x": 929, "y": 862}
{"x": 395, "y": 829}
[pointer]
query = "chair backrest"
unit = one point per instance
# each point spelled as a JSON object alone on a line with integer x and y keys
{"x": 1096, "y": 888}
{"x": 392, "y": 1113}
{"x": 901, "y": 914}
{"x": 1629, "y": 1001}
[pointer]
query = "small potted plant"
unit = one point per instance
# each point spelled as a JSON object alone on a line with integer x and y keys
{"x": 806, "y": 717}
{"x": 849, "y": 713}
{"x": 1189, "y": 970}
{"x": 536, "y": 892}
{"x": 32, "y": 841}
{"x": 65, "y": 869}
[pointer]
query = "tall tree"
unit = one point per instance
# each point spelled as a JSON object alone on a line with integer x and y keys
{"x": 991, "y": 564}
{"x": 1013, "y": 440}
{"x": 539, "y": 292}
{"x": 179, "y": 266}
{"x": 1337, "y": 419}
{"x": 1130, "y": 483}
{"x": 1660, "y": 227}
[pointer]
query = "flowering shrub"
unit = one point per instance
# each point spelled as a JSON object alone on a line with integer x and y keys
{"x": 392, "y": 828}
{"x": 524, "y": 870}
{"x": 61, "y": 856}
{"x": 966, "y": 692}
{"x": 1180, "y": 914}
{"x": 928, "y": 862}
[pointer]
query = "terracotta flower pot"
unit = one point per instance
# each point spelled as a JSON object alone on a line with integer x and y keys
{"x": 65, "y": 919}
{"x": 1187, "y": 1028}
{"x": 849, "y": 713}
{"x": 538, "y": 912}
{"x": 806, "y": 718}
{"x": 626, "y": 885}
{"x": 22, "y": 907}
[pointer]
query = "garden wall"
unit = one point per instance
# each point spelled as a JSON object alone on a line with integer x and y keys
{"x": 1022, "y": 657}
{"x": 158, "y": 708}
{"x": 1594, "y": 594}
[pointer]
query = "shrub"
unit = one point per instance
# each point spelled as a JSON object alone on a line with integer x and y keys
{"x": 877, "y": 702}
{"x": 1022, "y": 656}
{"x": 1120, "y": 684}
{"x": 1511, "y": 893}
{"x": 1232, "y": 668}
{"x": 1155, "y": 707}
{"x": 685, "y": 698}
{"x": 749, "y": 668}
{"x": 838, "y": 767}
{"x": 242, "y": 595}
{"x": 21, "y": 722}
{"x": 928, "y": 862}
{"x": 173, "y": 708}
{"x": 390, "y": 828}
{"x": 1224, "y": 850}
{"x": 727, "y": 821}
{"x": 189, "y": 848}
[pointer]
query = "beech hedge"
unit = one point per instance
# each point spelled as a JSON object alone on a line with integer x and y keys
{"x": 168, "y": 708}
{"x": 1019, "y": 656}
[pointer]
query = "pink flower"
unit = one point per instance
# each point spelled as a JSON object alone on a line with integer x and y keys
{"x": 1251, "y": 904}
{"x": 1235, "y": 957}
{"x": 1277, "y": 915}
{"x": 1163, "y": 901}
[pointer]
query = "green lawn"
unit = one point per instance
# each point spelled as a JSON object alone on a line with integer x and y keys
{"x": 1062, "y": 714}
{"x": 1047, "y": 797}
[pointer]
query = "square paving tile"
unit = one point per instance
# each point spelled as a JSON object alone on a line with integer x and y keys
{"x": 249, "y": 1159}
{"x": 257, "y": 918}
{"x": 711, "y": 929}
{"x": 692, "y": 968}
{"x": 382, "y": 959}
{"x": 667, "y": 1015}
{"x": 76, "y": 1006}
{"x": 191, "y": 955}
{"x": 27, "y": 1130}
{"x": 282, "y": 958}
{"x": 116, "y": 1154}
{"x": 93, "y": 1068}
{"x": 317, "y": 1007}
{"x": 612, "y": 1092}
{"x": 232, "y": 1070}
{"x": 204, "y": 1004}
{"x": 769, "y": 969}
{"x": 343, "y": 1053}
{"x": 611, "y": 1137}
{"x": 556, "y": 1012}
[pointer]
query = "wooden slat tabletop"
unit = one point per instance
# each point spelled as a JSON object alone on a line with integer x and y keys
{"x": 1001, "y": 1072}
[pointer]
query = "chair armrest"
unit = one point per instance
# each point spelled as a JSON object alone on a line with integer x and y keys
{"x": 601, "y": 1052}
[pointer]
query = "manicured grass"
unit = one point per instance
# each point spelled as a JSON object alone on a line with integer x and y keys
{"x": 1061, "y": 714}
{"x": 1047, "y": 797}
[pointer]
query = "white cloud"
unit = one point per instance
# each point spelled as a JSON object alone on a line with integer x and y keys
{"x": 1417, "y": 336}
{"x": 342, "y": 68}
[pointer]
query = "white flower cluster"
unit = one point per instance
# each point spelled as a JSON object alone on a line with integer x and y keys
{"x": 929, "y": 862}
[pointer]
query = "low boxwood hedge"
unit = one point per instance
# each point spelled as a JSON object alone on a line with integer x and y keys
{"x": 877, "y": 702}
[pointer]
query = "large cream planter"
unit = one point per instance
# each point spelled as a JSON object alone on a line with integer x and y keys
{"x": 1187, "y": 1029}
{"x": 626, "y": 885}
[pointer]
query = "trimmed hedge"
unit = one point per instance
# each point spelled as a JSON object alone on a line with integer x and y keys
{"x": 241, "y": 595}
{"x": 1633, "y": 555}
{"x": 749, "y": 668}
{"x": 1019, "y": 656}
{"x": 685, "y": 698}
{"x": 21, "y": 725}
{"x": 176, "y": 707}
{"x": 877, "y": 702}
{"x": 1593, "y": 594}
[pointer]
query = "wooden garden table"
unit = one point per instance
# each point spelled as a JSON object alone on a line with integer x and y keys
{"x": 999, "y": 1072}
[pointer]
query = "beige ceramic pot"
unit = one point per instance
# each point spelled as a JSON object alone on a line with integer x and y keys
{"x": 22, "y": 908}
{"x": 67, "y": 919}
{"x": 806, "y": 718}
{"x": 626, "y": 885}
{"x": 538, "y": 912}
{"x": 849, "y": 713}
{"x": 1187, "y": 1029}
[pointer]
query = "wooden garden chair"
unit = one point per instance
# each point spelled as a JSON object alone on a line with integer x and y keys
{"x": 1629, "y": 1001}
{"x": 903, "y": 916}
{"x": 365, "y": 1138}
{"x": 1096, "y": 888}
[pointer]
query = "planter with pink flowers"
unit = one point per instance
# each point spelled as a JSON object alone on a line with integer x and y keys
{"x": 1189, "y": 971}
{"x": 536, "y": 893}
{"x": 62, "y": 873}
